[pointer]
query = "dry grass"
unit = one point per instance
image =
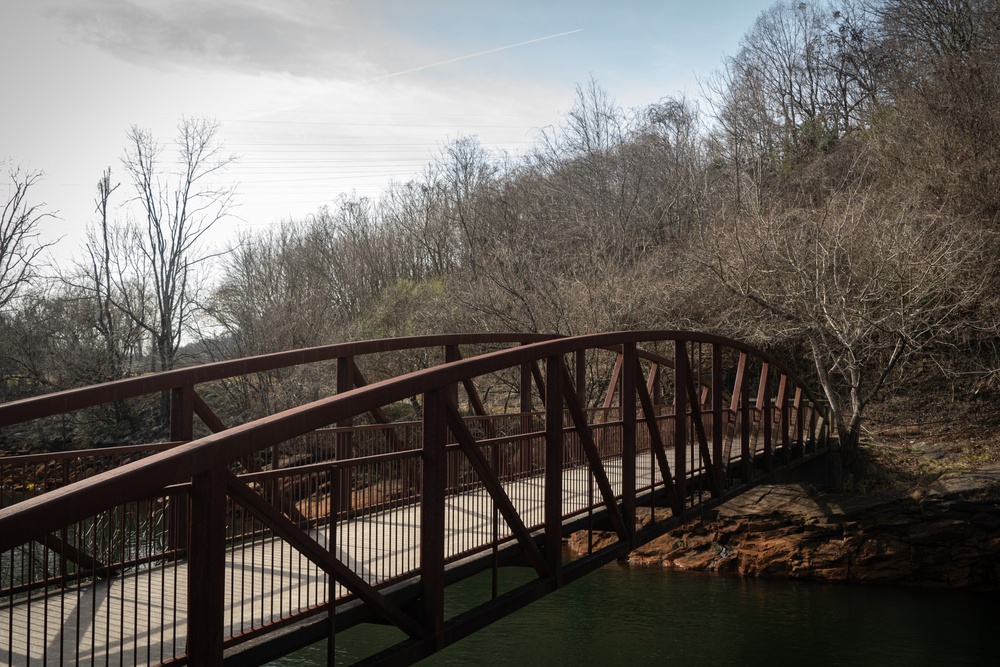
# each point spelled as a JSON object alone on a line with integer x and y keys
{"x": 911, "y": 440}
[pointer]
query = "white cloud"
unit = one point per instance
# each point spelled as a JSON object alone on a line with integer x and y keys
{"x": 286, "y": 78}
{"x": 309, "y": 38}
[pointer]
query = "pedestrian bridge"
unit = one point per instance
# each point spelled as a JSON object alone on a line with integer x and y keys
{"x": 237, "y": 543}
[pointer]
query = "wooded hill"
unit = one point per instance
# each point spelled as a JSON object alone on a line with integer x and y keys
{"x": 833, "y": 198}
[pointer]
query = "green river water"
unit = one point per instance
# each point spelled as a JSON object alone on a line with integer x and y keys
{"x": 622, "y": 615}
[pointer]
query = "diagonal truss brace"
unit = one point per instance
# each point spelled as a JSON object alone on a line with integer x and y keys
{"x": 315, "y": 552}
{"x": 594, "y": 458}
{"x": 699, "y": 425}
{"x": 656, "y": 442}
{"x": 468, "y": 443}
{"x": 216, "y": 425}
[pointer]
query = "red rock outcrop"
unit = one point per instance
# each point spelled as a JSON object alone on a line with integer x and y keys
{"x": 946, "y": 537}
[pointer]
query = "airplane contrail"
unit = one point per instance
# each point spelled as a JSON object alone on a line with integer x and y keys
{"x": 423, "y": 67}
{"x": 471, "y": 55}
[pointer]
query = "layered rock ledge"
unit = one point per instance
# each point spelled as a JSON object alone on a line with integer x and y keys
{"x": 947, "y": 535}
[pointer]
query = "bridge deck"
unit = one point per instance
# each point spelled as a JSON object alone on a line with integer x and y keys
{"x": 267, "y": 574}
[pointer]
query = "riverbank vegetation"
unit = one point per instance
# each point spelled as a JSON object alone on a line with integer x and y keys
{"x": 833, "y": 197}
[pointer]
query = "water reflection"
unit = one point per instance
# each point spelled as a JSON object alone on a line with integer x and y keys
{"x": 648, "y": 616}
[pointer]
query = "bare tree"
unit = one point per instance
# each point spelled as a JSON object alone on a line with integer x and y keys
{"x": 273, "y": 294}
{"x": 857, "y": 62}
{"x": 947, "y": 90}
{"x": 864, "y": 282}
{"x": 463, "y": 176}
{"x": 138, "y": 276}
{"x": 669, "y": 143}
{"x": 806, "y": 75}
{"x": 428, "y": 246}
{"x": 19, "y": 244}
{"x": 592, "y": 185}
{"x": 177, "y": 210}
{"x": 745, "y": 134}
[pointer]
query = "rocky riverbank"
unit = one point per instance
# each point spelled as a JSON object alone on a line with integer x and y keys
{"x": 946, "y": 535}
{"x": 924, "y": 510}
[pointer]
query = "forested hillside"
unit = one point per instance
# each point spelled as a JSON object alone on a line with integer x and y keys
{"x": 832, "y": 196}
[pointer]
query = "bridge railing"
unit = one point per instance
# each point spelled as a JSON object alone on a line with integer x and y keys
{"x": 196, "y": 549}
{"x": 186, "y": 403}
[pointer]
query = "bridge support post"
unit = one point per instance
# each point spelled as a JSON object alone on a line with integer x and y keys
{"x": 814, "y": 428}
{"x": 680, "y": 424}
{"x": 523, "y": 462}
{"x": 629, "y": 377}
{"x": 782, "y": 408}
{"x": 609, "y": 396}
{"x": 553, "y": 466}
{"x": 766, "y": 408}
{"x": 718, "y": 465}
{"x": 452, "y": 353}
{"x": 181, "y": 429}
{"x": 799, "y": 424}
{"x": 746, "y": 417}
{"x": 182, "y": 413}
{"x": 341, "y": 496}
{"x": 432, "y": 516}
{"x": 206, "y": 594}
{"x": 654, "y": 388}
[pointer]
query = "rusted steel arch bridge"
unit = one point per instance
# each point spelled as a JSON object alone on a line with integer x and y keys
{"x": 262, "y": 537}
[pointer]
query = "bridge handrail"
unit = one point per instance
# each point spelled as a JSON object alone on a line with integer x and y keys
{"x": 34, "y": 518}
{"x": 47, "y": 405}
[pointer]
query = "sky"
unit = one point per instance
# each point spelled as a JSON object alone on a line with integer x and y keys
{"x": 323, "y": 98}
